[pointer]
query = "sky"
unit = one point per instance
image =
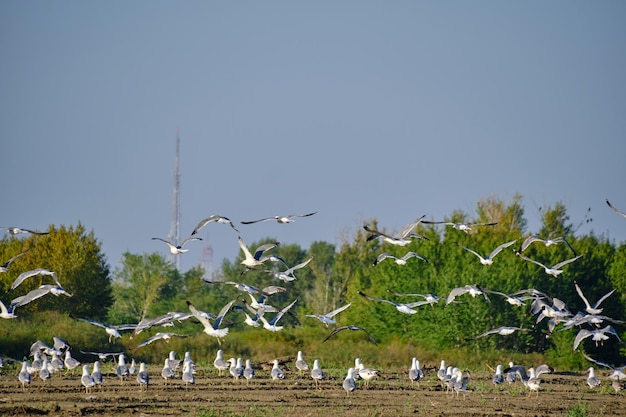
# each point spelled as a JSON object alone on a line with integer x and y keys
{"x": 358, "y": 110}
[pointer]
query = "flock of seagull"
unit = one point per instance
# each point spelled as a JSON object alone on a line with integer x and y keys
{"x": 47, "y": 359}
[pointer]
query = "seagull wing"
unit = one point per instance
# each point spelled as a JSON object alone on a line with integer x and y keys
{"x": 580, "y": 293}
{"x": 614, "y": 209}
{"x": 565, "y": 262}
{"x": 604, "y": 297}
{"x": 170, "y": 244}
{"x": 406, "y": 230}
{"x": 259, "y": 220}
{"x": 222, "y": 313}
{"x": 456, "y": 292}
{"x": 189, "y": 239}
{"x": 382, "y": 257}
{"x": 10, "y": 261}
{"x": 258, "y": 252}
{"x": 337, "y": 311}
{"x": 499, "y": 248}
{"x": 281, "y": 313}
{"x": 472, "y": 251}
{"x": 526, "y": 258}
{"x": 582, "y": 334}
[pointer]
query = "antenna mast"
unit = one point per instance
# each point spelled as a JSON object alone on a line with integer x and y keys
{"x": 174, "y": 235}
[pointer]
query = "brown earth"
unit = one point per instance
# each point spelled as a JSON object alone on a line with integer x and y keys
{"x": 391, "y": 394}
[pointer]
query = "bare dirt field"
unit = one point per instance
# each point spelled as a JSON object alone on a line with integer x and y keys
{"x": 390, "y": 395}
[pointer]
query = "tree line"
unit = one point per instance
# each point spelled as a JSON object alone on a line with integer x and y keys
{"x": 147, "y": 285}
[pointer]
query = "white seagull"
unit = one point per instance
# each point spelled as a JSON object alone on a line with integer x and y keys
{"x": 112, "y": 330}
{"x": 552, "y": 270}
{"x": 415, "y": 373}
{"x": 503, "y": 331}
{"x": 546, "y": 242}
{"x": 18, "y": 231}
{"x": 588, "y": 307}
{"x": 301, "y": 363}
{"x": 280, "y": 219}
{"x": 402, "y": 238}
{"x": 213, "y": 218}
{"x": 39, "y": 271}
{"x": 464, "y": 227}
{"x": 248, "y": 371}
{"x": 488, "y": 260}
{"x": 349, "y": 384}
{"x": 598, "y": 335}
{"x": 287, "y": 275}
{"x": 219, "y": 363}
{"x": 251, "y": 261}
{"x": 271, "y": 325}
{"x": 160, "y": 335}
{"x": 143, "y": 378}
{"x": 276, "y": 372}
{"x": 317, "y": 374}
{"x": 37, "y": 293}
{"x": 400, "y": 261}
{"x": 402, "y": 308}
{"x": 473, "y": 290}
{"x": 592, "y": 380}
{"x": 86, "y": 379}
{"x": 212, "y": 329}
{"x": 531, "y": 379}
{"x": 177, "y": 249}
{"x": 327, "y": 318}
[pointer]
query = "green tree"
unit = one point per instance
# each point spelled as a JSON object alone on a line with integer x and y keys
{"x": 139, "y": 283}
{"x": 76, "y": 258}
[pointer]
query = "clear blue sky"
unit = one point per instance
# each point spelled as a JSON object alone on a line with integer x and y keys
{"x": 356, "y": 109}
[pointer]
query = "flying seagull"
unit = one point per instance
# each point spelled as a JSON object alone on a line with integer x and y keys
{"x": 212, "y": 329}
{"x": 402, "y": 238}
{"x": 287, "y": 275}
{"x": 271, "y": 325}
{"x": 280, "y": 219}
{"x": 400, "y": 261}
{"x": 350, "y": 327}
{"x": 37, "y": 293}
{"x": 39, "y": 271}
{"x": 177, "y": 249}
{"x": 547, "y": 242}
{"x": 327, "y": 318}
{"x": 464, "y": 227}
{"x": 213, "y": 218}
{"x": 552, "y": 270}
{"x": 159, "y": 336}
{"x": 503, "y": 331}
{"x": 402, "y": 308}
{"x": 621, "y": 213}
{"x": 112, "y": 330}
{"x": 17, "y": 231}
{"x": 599, "y": 335}
{"x": 257, "y": 259}
{"x": 488, "y": 260}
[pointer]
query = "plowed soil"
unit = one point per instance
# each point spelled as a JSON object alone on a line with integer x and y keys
{"x": 390, "y": 395}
